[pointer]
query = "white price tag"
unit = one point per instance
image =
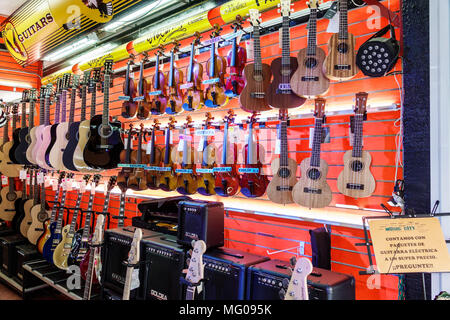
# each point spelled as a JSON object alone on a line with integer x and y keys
{"x": 277, "y": 146}
{"x": 40, "y": 178}
{"x": 135, "y": 280}
{"x": 4, "y": 180}
{"x": 22, "y": 174}
{"x": 54, "y": 185}
{"x": 83, "y": 186}
{"x": 126, "y": 143}
{"x": 200, "y": 144}
{"x": 28, "y": 179}
{"x": 180, "y": 145}
{"x": 249, "y": 45}
{"x": 69, "y": 184}
{"x": 311, "y": 137}
{"x": 105, "y": 189}
{"x": 149, "y": 147}
{"x": 333, "y": 26}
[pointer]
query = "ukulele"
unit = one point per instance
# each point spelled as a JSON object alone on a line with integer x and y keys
{"x": 253, "y": 97}
{"x": 28, "y": 203}
{"x": 39, "y": 213}
{"x": 298, "y": 287}
{"x": 154, "y": 158}
{"x": 194, "y": 97}
{"x": 167, "y": 178}
{"x": 280, "y": 94}
{"x": 356, "y": 180}
{"x": 215, "y": 93}
{"x": 7, "y": 168}
{"x": 227, "y": 180}
{"x": 14, "y": 143}
{"x": 284, "y": 168}
{"x": 129, "y": 106}
{"x": 143, "y": 99}
{"x": 175, "y": 76}
{"x": 309, "y": 81}
{"x": 61, "y": 99}
{"x": 125, "y": 159}
{"x": 187, "y": 179}
{"x": 195, "y": 270}
{"x": 133, "y": 259}
{"x": 252, "y": 182}
{"x": 340, "y": 63}
{"x": 45, "y": 131}
{"x": 236, "y": 58}
{"x": 206, "y": 181}
{"x": 138, "y": 179}
{"x": 312, "y": 190}
{"x": 61, "y": 254}
{"x": 31, "y": 138}
{"x": 21, "y": 148}
{"x": 103, "y": 148}
{"x": 84, "y": 130}
{"x": 159, "y": 102}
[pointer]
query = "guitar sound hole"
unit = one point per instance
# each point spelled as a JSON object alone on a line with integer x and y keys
{"x": 11, "y": 196}
{"x": 342, "y": 48}
{"x": 310, "y": 63}
{"x": 356, "y": 166}
{"x": 105, "y": 131}
{"x": 314, "y": 174}
{"x": 284, "y": 173}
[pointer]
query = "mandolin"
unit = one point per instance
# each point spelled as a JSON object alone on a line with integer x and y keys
{"x": 7, "y": 168}
{"x": 125, "y": 160}
{"x": 154, "y": 158}
{"x": 356, "y": 180}
{"x": 184, "y": 155}
{"x": 32, "y": 134}
{"x": 9, "y": 196}
{"x": 45, "y": 130}
{"x": 312, "y": 190}
{"x": 195, "y": 270}
{"x": 284, "y": 169}
{"x": 175, "y": 76}
{"x": 143, "y": 99}
{"x": 21, "y": 148}
{"x": 138, "y": 178}
{"x": 103, "y": 148}
{"x": 309, "y": 81}
{"x": 194, "y": 96}
{"x": 133, "y": 259}
{"x": 167, "y": 178}
{"x": 129, "y": 106}
{"x": 280, "y": 94}
{"x": 28, "y": 203}
{"x": 227, "y": 180}
{"x": 236, "y": 58}
{"x": 215, "y": 93}
{"x": 253, "y": 182}
{"x": 159, "y": 93}
{"x": 340, "y": 63}
{"x": 206, "y": 180}
{"x": 253, "y": 97}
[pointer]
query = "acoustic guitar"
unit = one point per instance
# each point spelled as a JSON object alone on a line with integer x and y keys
{"x": 159, "y": 93}
{"x": 39, "y": 214}
{"x": 356, "y": 180}
{"x": 29, "y": 202}
{"x": 21, "y": 148}
{"x": 16, "y": 131}
{"x": 143, "y": 87}
{"x": 168, "y": 179}
{"x": 206, "y": 180}
{"x": 7, "y": 168}
{"x": 44, "y": 131}
{"x": 32, "y": 134}
{"x": 133, "y": 258}
{"x": 195, "y": 272}
{"x": 155, "y": 157}
{"x": 175, "y": 76}
{"x": 194, "y": 96}
{"x": 8, "y": 205}
{"x": 312, "y": 190}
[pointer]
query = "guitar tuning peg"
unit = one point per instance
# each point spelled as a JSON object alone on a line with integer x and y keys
{"x": 293, "y": 261}
{"x": 285, "y": 283}
{"x": 188, "y": 261}
{"x": 282, "y": 294}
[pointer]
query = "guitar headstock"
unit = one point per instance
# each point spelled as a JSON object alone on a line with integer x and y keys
{"x": 229, "y": 118}
{"x": 96, "y": 76}
{"x": 86, "y": 178}
{"x": 216, "y": 31}
{"x": 96, "y": 180}
{"x": 58, "y": 85}
{"x": 361, "y": 103}
{"x": 62, "y": 175}
{"x": 197, "y": 38}
{"x": 156, "y": 124}
{"x": 188, "y": 123}
{"x": 32, "y": 95}
{"x": 176, "y": 46}
{"x": 67, "y": 78}
{"x": 160, "y": 51}
{"x": 42, "y": 92}
{"x": 75, "y": 81}
{"x": 314, "y": 4}
{"x": 108, "y": 67}
{"x": 111, "y": 183}
{"x": 319, "y": 108}
{"x": 86, "y": 78}
{"x": 238, "y": 24}
{"x": 135, "y": 252}
{"x": 195, "y": 272}
{"x": 255, "y": 17}
{"x": 171, "y": 124}
{"x": 297, "y": 288}
{"x": 15, "y": 109}
{"x": 208, "y": 119}
{"x": 285, "y": 8}
{"x": 25, "y": 96}
{"x": 70, "y": 175}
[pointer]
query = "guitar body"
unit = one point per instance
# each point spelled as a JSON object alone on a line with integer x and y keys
{"x": 56, "y": 153}
{"x": 187, "y": 183}
{"x": 215, "y": 93}
{"x": 84, "y": 132}
{"x": 206, "y": 183}
{"x": 8, "y": 206}
{"x": 31, "y": 157}
{"x": 43, "y": 147}
{"x": 193, "y": 100}
{"x": 278, "y": 100}
{"x": 103, "y": 158}
{"x": 279, "y": 190}
{"x": 15, "y": 145}
{"x": 72, "y": 259}
{"x": 44, "y": 236}
{"x": 249, "y": 99}
{"x": 84, "y": 266}
{"x": 48, "y": 249}
{"x": 226, "y": 184}
{"x": 312, "y": 192}
{"x": 38, "y": 218}
{"x": 234, "y": 85}
{"x": 72, "y": 143}
{"x": 143, "y": 110}
{"x": 341, "y": 52}
{"x": 38, "y": 132}
{"x": 7, "y": 168}
{"x": 356, "y": 180}
{"x": 253, "y": 185}
{"x": 53, "y": 136}
{"x": 21, "y": 150}
{"x": 26, "y": 221}
{"x": 159, "y": 102}
{"x": 309, "y": 81}
{"x": 175, "y": 102}
{"x": 62, "y": 250}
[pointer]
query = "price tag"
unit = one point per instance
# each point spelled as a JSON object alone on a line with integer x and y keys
{"x": 250, "y": 45}
{"x": 333, "y": 26}
{"x": 28, "y": 179}
{"x": 164, "y": 169}
{"x": 211, "y": 81}
{"x": 69, "y": 184}
{"x": 139, "y": 99}
{"x": 205, "y": 170}
{"x": 105, "y": 189}
{"x": 248, "y": 170}
{"x": 184, "y": 171}
{"x": 22, "y": 174}
{"x": 92, "y": 189}
{"x": 4, "y": 180}
{"x": 124, "y": 98}
{"x": 83, "y": 186}
{"x": 222, "y": 169}
{"x": 185, "y": 137}
{"x": 40, "y": 178}
{"x": 171, "y": 139}
{"x": 54, "y": 185}
{"x": 155, "y": 93}
{"x": 201, "y": 144}
{"x": 187, "y": 85}
{"x": 135, "y": 279}
{"x": 180, "y": 146}
{"x": 278, "y": 141}
{"x": 208, "y": 133}
{"x": 126, "y": 143}
{"x": 149, "y": 147}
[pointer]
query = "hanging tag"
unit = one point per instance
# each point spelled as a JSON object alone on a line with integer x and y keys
{"x": 171, "y": 139}
{"x": 201, "y": 143}
{"x": 278, "y": 141}
{"x": 83, "y": 186}
{"x": 149, "y": 147}
{"x": 64, "y": 185}
{"x": 332, "y": 11}
{"x": 92, "y": 189}
{"x": 22, "y": 174}
{"x": 4, "y": 180}
{"x": 105, "y": 189}
{"x": 54, "y": 185}
{"x": 333, "y": 26}
{"x": 28, "y": 179}
{"x": 40, "y": 178}
{"x": 75, "y": 185}
{"x": 250, "y": 47}
{"x": 351, "y": 136}
{"x": 126, "y": 143}
{"x": 69, "y": 184}
{"x": 180, "y": 146}
{"x": 135, "y": 279}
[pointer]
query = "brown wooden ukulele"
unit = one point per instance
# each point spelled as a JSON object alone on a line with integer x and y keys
{"x": 138, "y": 179}
{"x": 129, "y": 91}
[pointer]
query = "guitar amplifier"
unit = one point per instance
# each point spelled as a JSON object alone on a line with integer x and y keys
{"x": 201, "y": 220}
{"x": 265, "y": 280}
{"x": 116, "y": 248}
{"x": 25, "y": 253}
{"x": 225, "y": 273}
{"x": 165, "y": 261}
{"x": 8, "y": 246}
{"x": 5, "y": 231}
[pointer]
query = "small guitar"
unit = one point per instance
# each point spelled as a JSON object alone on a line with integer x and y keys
{"x": 356, "y": 180}
{"x": 236, "y": 58}
{"x": 159, "y": 101}
{"x": 21, "y": 148}
{"x": 168, "y": 179}
{"x": 175, "y": 76}
{"x": 280, "y": 94}
{"x": 138, "y": 179}
{"x": 32, "y": 133}
{"x": 309, "y": 81}
{"x": 298, "y": 287}
{"x": 7, "y": 168}
{"x": 194, "y": 97}
{"x": 196, "y": 268}
{"x": 129, "y": 90}
{"x": 154, "y": 158}
{"x": 133, "y": 259}
{"x": 340, "y": 64}
{"x": 312, "y": 190}
{"x": 143, "y": 99}
{"x": 206, "y": 181}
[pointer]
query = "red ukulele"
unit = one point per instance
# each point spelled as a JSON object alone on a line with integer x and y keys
{"x": 237, "y": 58}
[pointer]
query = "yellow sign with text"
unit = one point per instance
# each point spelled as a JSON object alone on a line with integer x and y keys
{"x": 409, "y": 245}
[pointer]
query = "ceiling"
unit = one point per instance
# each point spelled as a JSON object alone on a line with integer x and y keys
{"x": 7, "y": 6}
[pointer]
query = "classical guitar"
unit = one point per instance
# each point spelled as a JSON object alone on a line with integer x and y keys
{"x": 236, "y": 58}
{"x": 159, "y": 93}
{"x": 9, "y": 196}
{"x": 138, "y": 178}
{"x": 312, "y": 190}
{"x": 195, "y": 271}
{"x": 84, "y": 130}
{"x": 175, "y": 76}
{"x": 215, "y": 93}
{"x": 7, "y": 168}
{"x": 43, "y": 132}
{"x": 129, "y": 90}
{"x": 10, "y": 147}
{"x": 356, "y": 180}
{"x": 298, "y": 287}
{"x": 206, "y": 180}
{"x": 103, "y": 148}
{"x": 280, "y": 94}
{"x": 257, "y": 74}
{"x": 340, "y": 63}
{"x": 19, "y": 205}
{"x": 32, "y": 134}
{"x": 29, "y": 202}
{"x": 61, "y": 253}
{"x": 155, "y": 157}
{"x": 253, "y": 183}
{"x": 133, "y": 259}
{"x": 21, "y": 148}
{"x": 39, "y": 214}
{"x": 125, "y": 160}
{"x": 143, "y": 87}
{"x": 17, "y": 131}
{"x": 284, "y": 168}
{"x": 187, "y": 179}
{"x": 194, "y": 97}
{"x": 168, "y": 179}
{"x": 309, "y": 81}
{"x": 227, "y": 179}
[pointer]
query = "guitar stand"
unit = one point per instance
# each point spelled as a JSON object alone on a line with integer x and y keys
{"x": 108, "y": 217}
{"x": 183, "y": 281}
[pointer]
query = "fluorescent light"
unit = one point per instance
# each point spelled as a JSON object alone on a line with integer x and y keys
{"x": 93, "y": 53}
{"x": 71, "y": 49}
{"x": 10, "y": 96}
{"x": 15, "y": 84}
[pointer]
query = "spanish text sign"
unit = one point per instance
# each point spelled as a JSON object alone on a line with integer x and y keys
{"x": 409, "y": 245}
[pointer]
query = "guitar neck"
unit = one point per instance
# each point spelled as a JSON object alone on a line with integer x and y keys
{"x": 156, "y": 82}
{"x": 152, "y": 151}
{"x": 225, "y": 144}
{"x": 343, "y": 20}
{"x": 358, "y": 136}
{"x": 57, "y": 108}
{"x": 83, "y": 102}
{"x": 89, "y": 276}
{"x": 167, "y": 150}
{"x": 106, "y": 203}
{"x": 312, "y": 33}
{"x": 73, "y": 95}
{"x": 190, "y": 293}
{"x": 5, "y": 131}
{"x": 191, "y": 64}
{"x": 249, "y": 159}
{"x": 31, "y": 115}
{"x": 73, "y": 224}
{"x": 283, "y": 144}
{"x": 171, "y": 77}
{"x": 120, "y": 223}
{"x": 105, "y": 118}
{"x": 141, "y": 80}
{"x": 42, "y": 110}
{"x": 317, "y": 142}
{"x": 127, "y": 287}
{"x": 24, "y": 115}
{"x": 59, "y": 222}
{"x": 63, "y": 106}
{"x": 257, "y": 49}
{"x": 286, "y": 49}
{"x": 47, "y": 110}
{"x": 212, "y": 65}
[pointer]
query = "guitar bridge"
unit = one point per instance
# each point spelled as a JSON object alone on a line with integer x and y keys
{"x": 284, "y": 188}
{"x": 355, "y": 186}
{"x": 258, "y": 95}
{"x": 342, "y": 67}
{"x": 104, "y": 146}
{"x": 312, "y": 190}
{"x": 284, "y": 91}
{"x": 310, "y": 78}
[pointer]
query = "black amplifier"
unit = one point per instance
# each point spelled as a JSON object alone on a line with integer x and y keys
{"x": 24, "y": 253}
{"x": 165, "y": 261}
{"x": 201, "y": 220}
{"x": 225, "y": 273}
{"x": 265, "y": 280}
{"x": 115, "y": 252}
{"x": 5, "y": 231}
{"x": 8, "y": 246}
